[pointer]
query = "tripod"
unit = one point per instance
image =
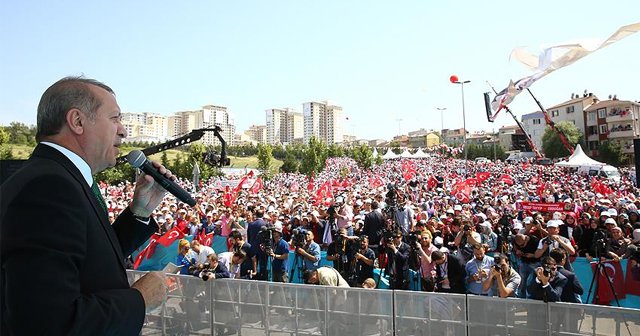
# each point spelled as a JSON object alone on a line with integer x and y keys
{"x": 296, "y": 265}
{"x": 595, "y": 280}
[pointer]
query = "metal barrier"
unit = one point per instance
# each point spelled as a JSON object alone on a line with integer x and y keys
{"x": 242, "y": 307}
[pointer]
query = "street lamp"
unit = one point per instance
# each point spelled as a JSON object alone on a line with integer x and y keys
{"x": 454, "y": 79}
{"x": 441, "y": 109}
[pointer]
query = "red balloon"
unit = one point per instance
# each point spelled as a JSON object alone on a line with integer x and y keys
{"x": 453, "y": 78}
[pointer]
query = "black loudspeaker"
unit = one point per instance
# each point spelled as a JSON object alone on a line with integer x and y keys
{"x": 487, "y": 106}
{"x": 636, "y": 151}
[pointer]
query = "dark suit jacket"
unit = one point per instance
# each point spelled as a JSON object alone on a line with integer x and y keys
{"x": 573, "y": 287}
{"x": 456, "y": 274}
{"x": 553, "y": 292}
{"x": 372, "y": 227}
{"x": 401, "y": 258}
{"x": 63, "y": 270}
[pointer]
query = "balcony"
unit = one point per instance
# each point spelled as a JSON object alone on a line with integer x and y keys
{"x": 619, "y": 116}
{"x": 627, "y": 149}
{"x": 621, "y": 134}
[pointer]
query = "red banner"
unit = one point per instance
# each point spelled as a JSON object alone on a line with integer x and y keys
{"x": 613, "y": 271}
{"x": 544, "y": 207}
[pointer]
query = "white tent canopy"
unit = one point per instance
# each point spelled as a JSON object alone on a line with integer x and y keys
{"x": 375, "y": 153}
{"x": 579, "y": 159}
{"x": 419, "y": 154}
{"x": 389, "y": 155}
{"x": 406, "y": 154}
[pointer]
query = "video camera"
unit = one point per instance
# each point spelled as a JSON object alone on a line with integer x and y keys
{"x": 413, "y": 239}
{"x": 206, "y": 269}
{"x": 299, "y": 237}
{"x": 265, "y": 237}
{"x": 634, "y": 252}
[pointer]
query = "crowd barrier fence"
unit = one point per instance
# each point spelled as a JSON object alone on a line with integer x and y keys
{"x": 245, "y": 307}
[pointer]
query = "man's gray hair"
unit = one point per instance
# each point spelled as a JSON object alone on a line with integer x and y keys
{"x": 62, "y": 96}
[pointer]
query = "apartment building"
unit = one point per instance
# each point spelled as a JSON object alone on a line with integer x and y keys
{"x": 534, "y": 125}
{"x": 284, "y": 126}
{"x": 612, "y": 120}
{"x": 323, "y": 121}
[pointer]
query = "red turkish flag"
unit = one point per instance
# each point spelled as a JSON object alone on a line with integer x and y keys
{"x": 482, "y": 176}
{"x": 408, "y": 175}
{"x": 139, "y": 258}
{"x": 168, "y": 238}
{"x": 541, "y": 188}
{"x": 631, "y": 285}
{"x": 432, "y": 182}
{"x": 613, "y": 271}
{"x": 506, "y": 179}
{"x": 257, "y": 186}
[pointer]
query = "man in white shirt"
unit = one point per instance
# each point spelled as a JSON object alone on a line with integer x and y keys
{"x": 202, "y": 252}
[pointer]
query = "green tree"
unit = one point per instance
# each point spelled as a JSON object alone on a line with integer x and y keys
{"x": 164, "y": 159}
{"x": 363, "y": 156}
{"x": 290, "y": 164}
{"x": 265, "y": 158}
{"x": 197, "y": 153}
{"x": 6, "y": 152}
{"x": 611, "y": 153}
{"x": 4, "y": 136}
{"x": 314, "y": 157}
{"x": 21, "y": 134}
{"x": 551, "y": 144}
{"x": 334, "y": 151}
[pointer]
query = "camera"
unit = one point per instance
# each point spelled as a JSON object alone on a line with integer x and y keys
{"x": 546, "y": 270}
{"x": 498, "y": 268}
{"x": 206, "y": 269}
{"x": 331, "y": 211}
{"x": 299, "y": 236}
{"x": 265, "y": 237}
{"x": 546, "y": 241}
{"x": 466, "y": 227}
{"x": 412, "y": 238}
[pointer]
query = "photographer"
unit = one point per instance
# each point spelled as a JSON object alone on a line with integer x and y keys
{"x": 363, "y": 258}
{"x": 373, "y": 225}
{"x": 427, "y": 268}
{"x": 403, "y": 214}
{"x": 573, "y": 289}
{"x": 325, "y": 276}
{"x": 398, "y": 262}
{"x": 249, "y": 267}
{"x": 548, "y": 284}
{"x": 280, "y": 257}
{"x": 477, "y": 270}
{"x": 555, "y": 240}
{"x": 465, "y": 240}
{"x": 338, "y": 251}
{"x": 213, "y": 270}
{"x": 308, "y": 250}
{"x": 343, "y": 215}
{"x": 503, "y": 280}
{"x": 525, "y": 248}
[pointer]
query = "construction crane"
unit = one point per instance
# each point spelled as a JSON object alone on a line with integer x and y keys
{"x": 195, "y": 135}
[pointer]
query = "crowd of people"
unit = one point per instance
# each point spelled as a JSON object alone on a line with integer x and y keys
{"x": 453, "y": 226}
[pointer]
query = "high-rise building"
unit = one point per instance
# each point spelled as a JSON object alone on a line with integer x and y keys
{"x": 322, "y": 121}
{"x": 207, "y": 117}
{"x": 284, "y": 126}
{"x": 145, "y": 126}
{"x": 257, "y": 133}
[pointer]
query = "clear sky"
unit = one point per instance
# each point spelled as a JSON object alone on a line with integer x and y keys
{"x": 380, "y": 60}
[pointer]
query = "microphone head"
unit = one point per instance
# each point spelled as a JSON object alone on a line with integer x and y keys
{"x": 136, "y": 158}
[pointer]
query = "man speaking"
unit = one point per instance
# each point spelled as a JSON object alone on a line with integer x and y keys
{"x": 63, "y": 269}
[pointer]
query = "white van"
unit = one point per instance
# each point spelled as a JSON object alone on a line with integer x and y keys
{"x": 607, "y": 172}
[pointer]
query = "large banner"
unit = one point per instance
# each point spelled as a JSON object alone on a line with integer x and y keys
{"x": 544, "y": 207}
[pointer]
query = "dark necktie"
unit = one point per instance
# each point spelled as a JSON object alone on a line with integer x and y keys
{"x": 96, "y": 192}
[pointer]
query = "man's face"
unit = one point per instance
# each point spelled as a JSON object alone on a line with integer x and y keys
{"x": 236, "y": 260}
{"x": 504, "y": 266}
{"x": 364, "y": 243}
{"x": 553, "y": 230}
{"x": 309, "y": 236}
{"x": 195, "y": 247}
{"x": 313, "y": 278}
{"x": 103, "y": 134}
{"x": 425, "y": 240}
{"x": 478, "y": 253}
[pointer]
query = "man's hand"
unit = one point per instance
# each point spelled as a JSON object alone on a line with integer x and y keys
{"x": 153, "y": 287}
{"x": 148, "y": 193}
{"x": 358, "y": 256}
{"x": 540, "y": 274}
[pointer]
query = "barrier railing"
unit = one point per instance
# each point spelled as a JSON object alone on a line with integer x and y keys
{"x": 243, "y": 307}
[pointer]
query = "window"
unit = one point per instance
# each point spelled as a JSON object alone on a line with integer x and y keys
{"x": 602, "y": 113}
{"x": 554, "y": 113}
{"x": 570, "y": 109}
{"x": 592, "y": 130}
{"x": 603, "y": 129}
{"x": 592, "y": 116}
{"x": 536, "y": 121}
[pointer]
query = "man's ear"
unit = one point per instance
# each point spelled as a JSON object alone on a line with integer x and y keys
{"x": 76, "y": 120}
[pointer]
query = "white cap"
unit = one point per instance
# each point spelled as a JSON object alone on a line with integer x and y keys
{"x": 613, "y": 212}
{"x": 554, "y": 223}
{"x": 457, "y": 207}
{"x": 610, "y": 221}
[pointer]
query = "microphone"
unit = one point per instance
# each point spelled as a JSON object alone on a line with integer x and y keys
{"x": 137, "y": 159}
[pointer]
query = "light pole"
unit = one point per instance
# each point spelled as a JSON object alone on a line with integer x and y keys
{"x": 441, "y": 109}
{"x": 454, "y": 79}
